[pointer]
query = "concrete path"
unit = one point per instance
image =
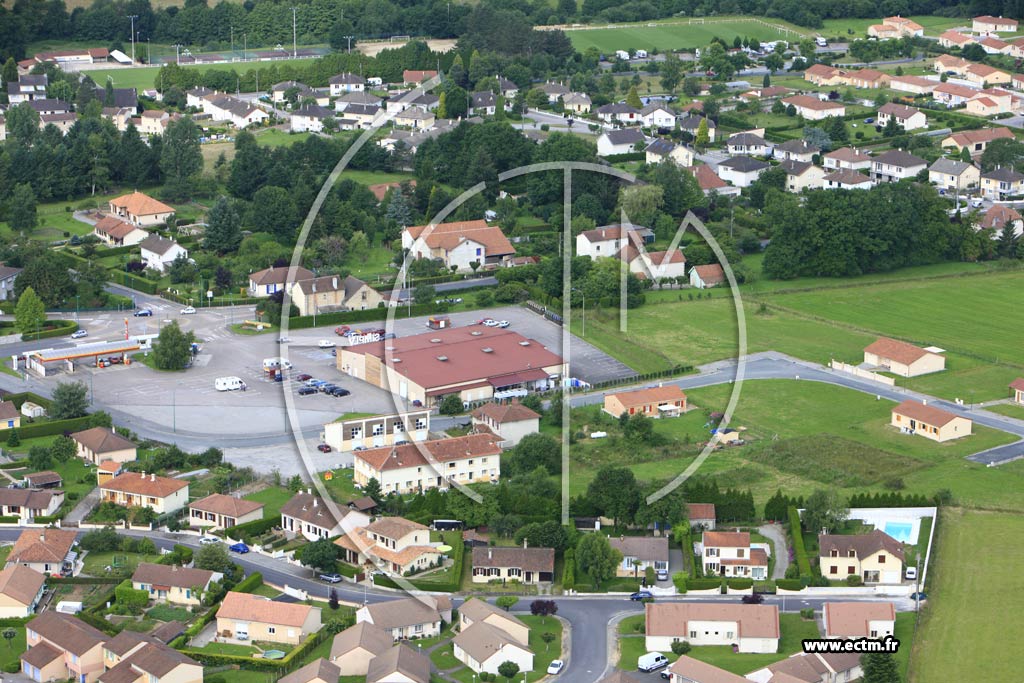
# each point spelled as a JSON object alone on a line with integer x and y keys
{"x": 84, "y": 506}
{"x": 777, "y": 536}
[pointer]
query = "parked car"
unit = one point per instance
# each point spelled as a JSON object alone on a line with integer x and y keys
{"x": 339, "y": 392}
{"x": 652, "y": 661}
{"x": 143, "y": 313}
{"x": 342, "y": 331}
{"x": 326, "y": 387}
{"x": 239, "y": 548}
{"x": 324, "y": 448}
{"x": 504, "y": 323}
{"x": 919, "y": 596}
{"x": 641, "y": 595}
{"x": 279, "y": 377}
{"x": 209, "y": 540}
{"x": 331, "y": 578}
{"x": 78, "y": 334}
{"x": 115, "y": 360}
{"x": 556, "y": 667}
{"x": 662, "y": 575}
{"x": 666, "y": 674}
{"x": 911, "y": 573}
{"x": 306, "y": 391}
{"x": 303, "y": 377}
{"x": 325, "y": 344}
{"x": 188, "y": 310}
{"x": 490, "y": 322}
{"x": 452, "y": 300}
{"x": 284, "y": 340}
{"x": 869, "y": 120}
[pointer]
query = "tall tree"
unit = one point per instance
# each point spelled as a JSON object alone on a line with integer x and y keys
{"x": 21, "y": 215}
{"x": 703, "y": 136}
{"x": 30, "y": 313}
{"x": 671, "y": 72}
{"x": 69, "y": 400}
{"x": 596, "y": 557}
{"x": 824, "y": 510}
{"x": 633, "y": 99}
{"x": 181, "y": 158}
{"x": 614, "y": 492}
{"x": 173, "y": 348}
{"x": 224, "y": 227}
{"x": 879, "y": 667}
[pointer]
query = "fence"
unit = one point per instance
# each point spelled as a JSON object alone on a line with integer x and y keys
{"x": 862, "y": 373}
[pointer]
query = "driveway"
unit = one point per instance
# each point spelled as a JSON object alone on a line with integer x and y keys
{"x": 777, "y": 536}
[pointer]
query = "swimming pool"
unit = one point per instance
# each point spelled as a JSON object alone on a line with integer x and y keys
{"x": 901, "y": 531}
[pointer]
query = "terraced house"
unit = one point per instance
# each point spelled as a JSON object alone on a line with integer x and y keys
{"x": 61, "y": 647}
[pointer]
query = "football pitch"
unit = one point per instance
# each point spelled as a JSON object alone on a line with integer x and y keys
{"x": 678, "y": 34}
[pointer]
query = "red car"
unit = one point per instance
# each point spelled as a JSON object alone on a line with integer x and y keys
{"x": 342, "y": 331}
{"x": 324, "y": 448}
{"x": 303, "y": 377}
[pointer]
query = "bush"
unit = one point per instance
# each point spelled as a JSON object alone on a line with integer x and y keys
{"x": 680, "y": 581}
{"x": 807, "y": 613}
{"x": 250, "y": 530}
{"x": 680, "y": 647}
{"x": 249, "y": 583}
{"x": 854, "y": 580}
{"x": 789, "y": 584}
{"x": 12, "y": 667}
{"x": 650, "y": 577}
{"x": 133, "y": 600}
{"x": 739, "y": 584}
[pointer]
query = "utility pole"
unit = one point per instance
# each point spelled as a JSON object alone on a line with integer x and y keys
{"x": 349, "y": 39}
{"x": 232, "y": 42}
{"x": 133, "y": 17}
{"x": 177, "y": 53}
{"x": 295, "y": 51}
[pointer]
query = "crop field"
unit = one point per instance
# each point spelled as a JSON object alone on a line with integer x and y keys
{"x": 966, "y": 632}
{"x": 675, "y": 34}
{"x": 804, "y": 436}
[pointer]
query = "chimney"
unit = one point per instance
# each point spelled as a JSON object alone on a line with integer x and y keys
{"x": 314, "y": 502}
{"x": 334, "y": 283}
{"x": 143, "y": 474}
{"x": 309, "y": 492}
{"x": 525, "y": 542}
{"x": 152, "y": 476}
{"x": 112, "y": 430}
{"x": 490, "y": 553}
{"x": 42, "y": 536}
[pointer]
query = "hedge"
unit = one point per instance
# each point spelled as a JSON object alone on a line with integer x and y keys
{"x": 796, "y": 531}
{"x": 201, "y": 622}
{"x": 17, "y": 464}
{"x": 15, "y": 621}
{"x": 47, "y": 519}
{"x": 739, "y": 584}
{"x": 680, "y": 581}
{"x": 302, "y": 322}
{"x": 703, "y": 584}
{"x": 135, "y": 282}
{"x": 9, "y": 519}
{"x": 569, "y": 570}
{"x": 249, "y": 583}
{"x": 98, "y": 622}
{"x": 216, "y": 659}
{"x": 628, "y": 156}
{"x": 789, "y": 584}
{"x": 19, "y": 399}
{"x": 82, "y": 580}
{"x": 74, "y": 424}
{"x": 117, "y": 251}
{"x": 66, "y": 327}
{"x": 245, "y": 532}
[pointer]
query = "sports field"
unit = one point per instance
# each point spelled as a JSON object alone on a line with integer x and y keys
{"x": 969, "y": 629}
{"x": 677, "y": 34}
{"x": 144, "y": 77}
{"x": 933, "y": 26}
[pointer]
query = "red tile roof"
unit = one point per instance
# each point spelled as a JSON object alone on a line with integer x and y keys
{"x": 140, "y": 204}
{"x": 930, "y": 415}
{"x": 672, "y": 618}
{"x": 654, "y": 395}
{"x": 438, "y": 451}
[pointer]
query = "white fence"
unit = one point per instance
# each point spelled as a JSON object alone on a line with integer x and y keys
{"x": 862, "y": 373}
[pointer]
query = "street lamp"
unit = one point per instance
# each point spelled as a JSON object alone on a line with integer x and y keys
{"x": 584, "y": 297}
{"x": 76, "y": 308}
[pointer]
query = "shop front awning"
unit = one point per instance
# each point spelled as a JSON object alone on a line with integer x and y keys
{"x": 516, "y": 378}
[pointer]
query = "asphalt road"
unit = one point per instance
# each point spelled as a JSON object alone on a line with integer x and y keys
{"x": 592, "y": 619}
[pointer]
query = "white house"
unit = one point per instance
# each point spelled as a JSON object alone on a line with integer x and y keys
{"x": 416, "y": 617}
{"x": 510, "y": 421}
{"x": 622, "y": 141}
{"x": 661, "y": 149}
{"x": 618, "y": 112}
{"x": 310, "y": 118}
{"x": 749, "y": 628}
{"x": 158, "y": 253}
{"x": 489, "y": 636}
{"x": 742, "y": 171}
{"x": 728, "y": 554}
{"x": 346, "y": 82}
{"x": 656, "y": 115}
{"x": 750, "y": 144}
{"x": 604, "y": 241}
{"x": 908, "y": 118}
{"x": 859, "y": 619}
{"x": 239, "y": 113}
{"x": 846, "y": 179}
{"x": 896, "y": 165}
{"x": 639, "y": 553}
{"x": 710, "y": 275}
{"x": 814, "y": 109}
{"x": 310, "y": 516}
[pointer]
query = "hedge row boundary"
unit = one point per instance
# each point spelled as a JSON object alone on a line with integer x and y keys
{"x": 795, "y": 530}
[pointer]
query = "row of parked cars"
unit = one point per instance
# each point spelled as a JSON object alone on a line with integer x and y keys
{"x": 313, "y": 386}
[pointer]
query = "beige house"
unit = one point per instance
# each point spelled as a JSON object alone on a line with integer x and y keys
{"x": 822, "y": 74}
{"x": 27, "y": 504}
{"x": 138, "y": 658}
{"x": 639, "y": 553}
{"x": 48, "y": 551}
{"x": 976, "y": 140}
{"x": 400, "y": 664}
{"x": 489, "y": 636}
{"x": 10, "y": 416}
{"x": 138, "y": 489}
{"x": 173, "y": 584}
{"x": 802, "y": 175}
{"x": 1002, "y": 183}
{"x": 728, "y": 553}
{"x": 308, "y": 515}
{"x": 686, "y": 669}
{"x": 510, "y": 421}
{"x": 953, "y": 175}
{"x": 955, "y": 39}
{"x": 420, "y": 466}
{"x": 62, "y": 647}
{"x": 661, "y": 149}
{"x": 901, "y": 358}
{"x": 847, "y": 158}
{"x": 667, "y": 400}
{"x": 21, "y": 589}
{"x": 813, "y": 108}
{"x": 989, "y": 24}
{"x": 859, "y": 619}
{"x": 223, "y": 512}
{"x": 867, "y": 78}
{"x": 115, "y": 232}
{"x": 577, "y": 103}
{"x": 396, "y": 545}
{"x": 930, "y": 422}
{"x": 376, "y": 431}
{"x": 416, "y": 617}
{"x": 318, "y": 671}
{"x": 459, "y": 244}
{"x": 525, "y": 565}
{"x": 99, "y": 444}
{"x": 333, "y": 293}
{"x": 984, "y": 76}
{"x": 895, "y": 27}
{"x": 247, "y": 617}
{"x": 811, "y": 668}
{"x": 416, "y": 118}
{"x": 749, "y": 628}
{"x": 875, "y": 557}
{"x": 1017, "y": 390}
{"x": 107, "y": 470}
{"x": 354, "y": 648}
{"x": 140, "y": 209}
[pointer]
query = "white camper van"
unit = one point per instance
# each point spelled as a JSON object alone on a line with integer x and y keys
{"x": 277, "y": 364}
{"x": 229, "y": 384}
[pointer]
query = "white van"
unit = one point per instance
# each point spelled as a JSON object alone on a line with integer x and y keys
{"x": 229, "y": 384}
{"x": 276, "y": 364}
{"x": 652, "y": 661}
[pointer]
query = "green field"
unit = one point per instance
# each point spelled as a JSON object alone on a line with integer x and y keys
{"x": 273, "y": 499}
{"x": 967, "y": 626}
{"x": 933, "y": 26}
{"x": 804, "y": 436}
{"x": 144, "y": 77}
{"x": 677, "y": 34}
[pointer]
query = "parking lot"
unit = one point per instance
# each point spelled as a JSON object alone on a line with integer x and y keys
{"x": 186, "y": 407}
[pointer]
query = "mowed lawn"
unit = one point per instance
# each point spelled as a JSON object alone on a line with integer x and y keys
{"x": 969, "y": 627}
{"x": 933, "y": 26}
{"x": 144, "y": 77}
{"x": 673, "y": 35}
{"x": 820, "y": 419}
